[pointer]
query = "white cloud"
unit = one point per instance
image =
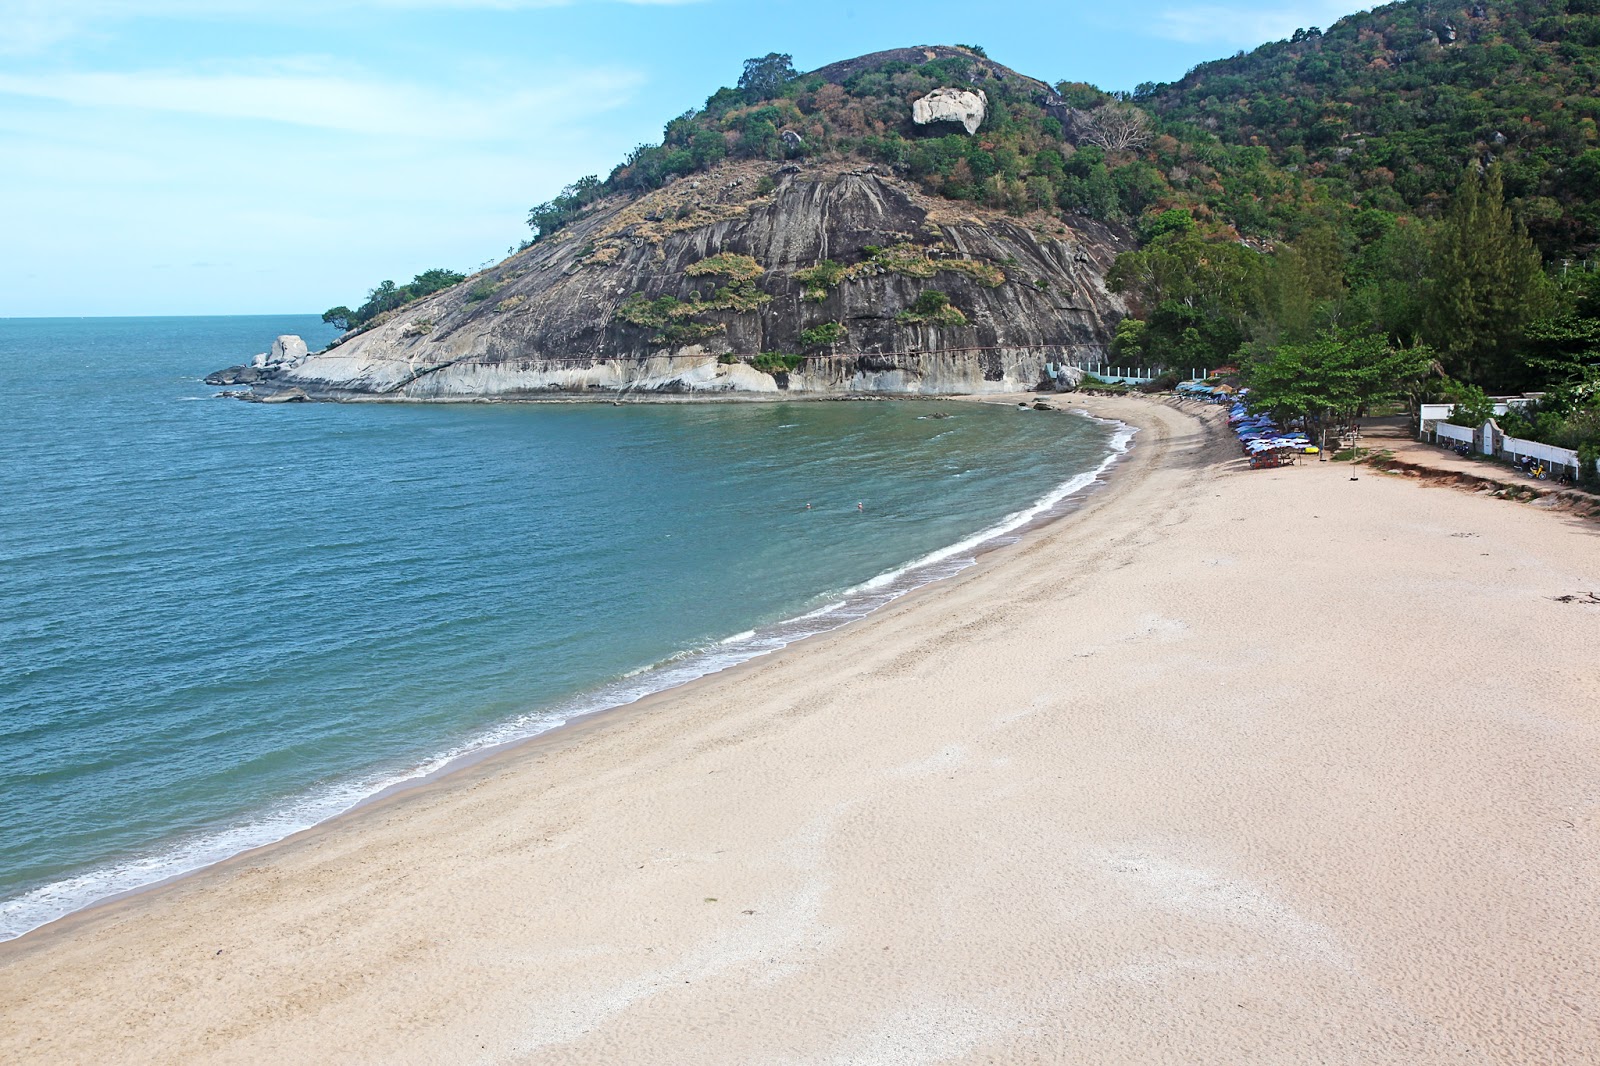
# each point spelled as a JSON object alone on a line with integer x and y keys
{"x": 1243, "y": 25}
{"x": 293, "y": 95}
{"x": 32, "y": 26}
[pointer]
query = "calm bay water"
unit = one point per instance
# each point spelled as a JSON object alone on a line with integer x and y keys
{"x": 222, "y": 622}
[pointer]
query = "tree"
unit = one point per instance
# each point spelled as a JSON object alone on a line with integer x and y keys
{"x": 1487, "y": 285}
{"x": 1216, "y": 278}
{"x": 1305, "y": 286}
{"x": 544, "y": 219}
{"x": 1117, "y": 127}
{"x": 1082, "y": 95}
{"x": 1470, "y": 406}
{"x": 338, "y": 317}
{"x": 430, "y": 281}
{"x": 1172, "y": 220}
{"x": 1565, "y": 346}
{"x": 765, "y": 78}
{"x": 1389, "y": 281}
{"x": 1331, "y": 378}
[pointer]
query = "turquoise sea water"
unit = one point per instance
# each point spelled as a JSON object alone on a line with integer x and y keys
{"x": 222, "y": 622}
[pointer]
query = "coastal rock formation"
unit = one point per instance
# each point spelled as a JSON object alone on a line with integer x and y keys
{"x": 803, "y": 283}
{"x": 968, "y": 107}
{"x": 288, "y": 350}
{"x": 818, "y": 276}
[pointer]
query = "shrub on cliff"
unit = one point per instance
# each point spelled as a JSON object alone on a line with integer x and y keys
{"x": 932, "y": 308}
{"x": 387, "y": 296}
{"x": 824, "y": 335}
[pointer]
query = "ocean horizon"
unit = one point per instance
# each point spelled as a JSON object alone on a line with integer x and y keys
{"x": 228, "y": 622}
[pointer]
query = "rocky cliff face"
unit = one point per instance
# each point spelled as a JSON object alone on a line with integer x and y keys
{"x": 754, "y": 278}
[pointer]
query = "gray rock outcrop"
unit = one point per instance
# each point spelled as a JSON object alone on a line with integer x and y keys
{"x": 552, "y": 321}
{"x": 288, "y": 350}
{"x": 966, "y": 106}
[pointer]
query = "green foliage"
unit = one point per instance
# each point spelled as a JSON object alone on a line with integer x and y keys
{"x": 740, "y": 294}
{"x": 1564, "y": 345}
{"x": 1385, "y": 110}
{"x": 388, "y": 296}
{"x": 640, "y": 310}
{"x": 1567, "y": 416}
{"x": 1174, "y": 220}
{"x": 1332, "y": 377}
{"x": 1090, "y": 382}
{"x": 907, "y": 259}
{"x": 1485, "y": 285}
{"x": 739, "y": 269}
{"x": 1020, "y": 164}
{"x": 674, "y": 320}
{"x": 1128, "y": 342}
{"x": 776, "y": 362}
{"x": 932, "y": 308}
{"x": 1081, "y": 95}
{"x": 822, "y": 336}
{"x": 1471, "y": 407}
{"x": 1197, "y": 297}
{"x": 766, "y": 76}
{"x": 546, "y": 218}
{"x": 915, "y": 261}
{"x": 669, "y": 319}
{"x": 819, "y": 279}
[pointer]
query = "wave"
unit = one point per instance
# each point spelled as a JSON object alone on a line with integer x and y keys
{"x": 47, "y": 903}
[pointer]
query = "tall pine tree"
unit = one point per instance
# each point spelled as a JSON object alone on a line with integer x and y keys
{"x": 1487, "y": 285}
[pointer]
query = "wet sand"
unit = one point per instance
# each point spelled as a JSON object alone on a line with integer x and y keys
{"x": 1224, "y": 767}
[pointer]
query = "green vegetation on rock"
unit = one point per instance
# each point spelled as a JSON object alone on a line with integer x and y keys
{"x": 738, "y": 269}
{"x": 1385, "y": 107}
{"x": 823, "y": 335}
{"x": 388, "y": 296}
{"x": 776, "y": 362}
{"x": 932, "y": 308}
{"x": 669, "y": 319}
{"x": 818, "y": 280}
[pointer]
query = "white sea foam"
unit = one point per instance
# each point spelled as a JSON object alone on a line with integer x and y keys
{"x": 45, "y": 904}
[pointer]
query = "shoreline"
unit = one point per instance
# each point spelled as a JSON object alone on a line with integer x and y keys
{"x": 438, "y": 770}
{"x": 1106, "y": 797}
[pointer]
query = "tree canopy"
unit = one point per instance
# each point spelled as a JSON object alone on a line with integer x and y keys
{"x": 387, "y": 296}
{"x": 766, "y": 76}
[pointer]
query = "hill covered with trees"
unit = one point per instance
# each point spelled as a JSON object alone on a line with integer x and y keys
{"x": 1421, "y": 177}
{"x": 1384, "y": 108}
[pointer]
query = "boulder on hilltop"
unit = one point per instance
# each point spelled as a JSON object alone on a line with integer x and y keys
{"x": 966, "y": 106}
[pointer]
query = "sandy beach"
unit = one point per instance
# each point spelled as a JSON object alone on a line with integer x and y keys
{"x": 1226, "y": 766}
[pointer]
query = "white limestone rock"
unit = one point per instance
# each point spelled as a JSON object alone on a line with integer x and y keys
{"x": 287, "y": 350}
{"x": 966, "y": 106}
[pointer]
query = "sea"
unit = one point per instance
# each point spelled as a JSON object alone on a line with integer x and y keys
{"x": 223, "y": 622}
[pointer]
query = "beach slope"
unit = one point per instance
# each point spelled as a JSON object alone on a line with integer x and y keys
{"x": 1283, "y": 766}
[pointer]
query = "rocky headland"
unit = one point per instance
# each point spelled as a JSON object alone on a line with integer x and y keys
{"x": 822, "y": 277}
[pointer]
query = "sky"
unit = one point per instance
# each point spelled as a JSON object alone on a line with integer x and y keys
{"x": 171, "y": 157}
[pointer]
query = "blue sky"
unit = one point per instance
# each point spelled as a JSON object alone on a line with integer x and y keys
{"x": 265, "y": 156}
